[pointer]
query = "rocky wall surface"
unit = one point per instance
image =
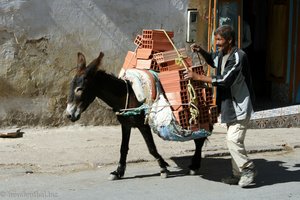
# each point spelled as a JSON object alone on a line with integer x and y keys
{"x": 39, "y": 41}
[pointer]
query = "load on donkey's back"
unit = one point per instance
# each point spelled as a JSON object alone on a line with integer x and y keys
{"x": 176, "y": 109}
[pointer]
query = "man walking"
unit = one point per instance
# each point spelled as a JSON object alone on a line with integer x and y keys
{"x": 234, "y": 99}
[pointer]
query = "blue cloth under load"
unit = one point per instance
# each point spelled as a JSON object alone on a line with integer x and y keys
{"x": 174, "y": 132}
{"x": 166, "y": 134}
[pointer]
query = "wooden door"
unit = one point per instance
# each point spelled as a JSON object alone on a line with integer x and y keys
{"x": 277, "y": 40}
{"x": 223, "y": 12}
{"x": 296, "y": 91}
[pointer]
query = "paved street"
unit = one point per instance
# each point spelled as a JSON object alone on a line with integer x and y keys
{"x": 279, "y": 178}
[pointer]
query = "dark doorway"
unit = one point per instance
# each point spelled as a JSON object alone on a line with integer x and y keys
{"x": 256, "y": 15}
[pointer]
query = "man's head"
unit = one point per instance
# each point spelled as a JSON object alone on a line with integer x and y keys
{"x": 225, "y": 38}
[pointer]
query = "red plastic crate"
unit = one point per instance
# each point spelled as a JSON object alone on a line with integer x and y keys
{"x": 200, "y": 93}
{"x": 138, "y": 40}
{"x": 171, "y": 55}
{"x": 166, "y": 64}
{"x": 157, "y": 45}
{"x": 147, "y": 64}
{"x": 144, "y": 53}
{"x": 156, "y": 35}
{"x": 170, "y": 76}
{"x": 209, "y": 96}
{"x": 213, "y": 111}
{"x": 188, "y": 62}
{"x": 170, "y": 68}
{"x": 130, "y": 60}
{"x": 182, "y": 118}
{"x": 202, "y": 121}
{"x": 197, "y": 69}
{"x": 204, "y": 115}
{"x": 171, "y": 82}
{"x": 205, "y": 126}
{"x": 178, "y": 100}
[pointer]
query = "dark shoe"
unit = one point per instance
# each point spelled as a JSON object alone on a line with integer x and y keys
{"x": 247, "y": 177}
{"x": 231, "y": 180}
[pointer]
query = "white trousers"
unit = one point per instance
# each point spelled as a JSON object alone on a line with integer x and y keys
{"x": 236, "y": 133}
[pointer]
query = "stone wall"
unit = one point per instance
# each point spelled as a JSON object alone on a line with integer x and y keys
{"x": 39, "y": 41}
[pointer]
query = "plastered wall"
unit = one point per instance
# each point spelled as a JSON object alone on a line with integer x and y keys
{"x": 39, "y": 41}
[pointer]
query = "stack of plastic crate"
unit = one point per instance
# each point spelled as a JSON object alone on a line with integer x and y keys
{"x": 147, "y": 44}
{"x": 154, "y": 51}
{"x": 176, "y": 91}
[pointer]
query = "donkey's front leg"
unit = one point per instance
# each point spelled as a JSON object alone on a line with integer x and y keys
{"x": 148, "y": 137}
{"x": 119, "y": 173}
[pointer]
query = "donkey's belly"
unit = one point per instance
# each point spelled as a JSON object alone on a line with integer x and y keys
{"x": 133, "y": 121}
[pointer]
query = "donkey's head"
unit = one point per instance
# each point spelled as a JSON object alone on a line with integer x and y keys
{"x": 82, "y": 87}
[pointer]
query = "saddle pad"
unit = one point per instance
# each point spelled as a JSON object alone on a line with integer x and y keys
{"x": 143, "y": 84}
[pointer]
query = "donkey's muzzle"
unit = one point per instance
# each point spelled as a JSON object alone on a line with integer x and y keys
{"x": 72, "y": 112}
{"x": 73, "y": 118}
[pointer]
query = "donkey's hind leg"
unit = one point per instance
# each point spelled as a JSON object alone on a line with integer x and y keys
{"x": 196, "y": 160}
{"x": 148, "y": 137}
{"x": 120, "y": 171}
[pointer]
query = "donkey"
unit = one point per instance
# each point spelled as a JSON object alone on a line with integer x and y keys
{"x": 91, "y": 82}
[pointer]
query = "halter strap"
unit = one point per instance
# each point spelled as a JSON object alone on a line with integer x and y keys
{"x": 127, "y": 100}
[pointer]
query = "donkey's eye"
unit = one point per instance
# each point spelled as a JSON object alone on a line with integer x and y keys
{"x": 78, "y": 91}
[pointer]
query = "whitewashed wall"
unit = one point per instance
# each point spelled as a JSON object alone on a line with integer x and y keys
{"x": 39, "y": 40}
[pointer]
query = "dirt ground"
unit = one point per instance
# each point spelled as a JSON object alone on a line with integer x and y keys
{"x": 75, "y": 148}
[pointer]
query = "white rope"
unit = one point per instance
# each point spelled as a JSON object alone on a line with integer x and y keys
{"x": 168, "y": 105}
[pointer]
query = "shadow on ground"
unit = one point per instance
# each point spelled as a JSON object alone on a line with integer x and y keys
{"x": 269, "y": 172}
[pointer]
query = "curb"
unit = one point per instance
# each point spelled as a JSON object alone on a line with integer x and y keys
{"x": 252, "y": 150}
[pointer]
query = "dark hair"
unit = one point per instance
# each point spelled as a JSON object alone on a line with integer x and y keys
{"x": 227, "y": 32}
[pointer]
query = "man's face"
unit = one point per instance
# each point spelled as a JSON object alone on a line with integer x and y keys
{"x": 222, "y": 44}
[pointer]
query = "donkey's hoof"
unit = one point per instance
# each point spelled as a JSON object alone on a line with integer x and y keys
{"x": 113, "y": 177}
{"x": 193, "y": 172}
{"x": 164, "y": 173}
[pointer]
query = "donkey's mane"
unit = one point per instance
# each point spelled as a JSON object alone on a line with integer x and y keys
{"x": 111, "y": 81}
{"x": 111, "y": 75}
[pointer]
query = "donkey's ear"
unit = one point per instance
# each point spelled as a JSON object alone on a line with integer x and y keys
{"x": 99, "y": 58}
{"x": 101, "y": 55}
{"x": 81, "y": 62}
{"x": 96, "y": 62}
